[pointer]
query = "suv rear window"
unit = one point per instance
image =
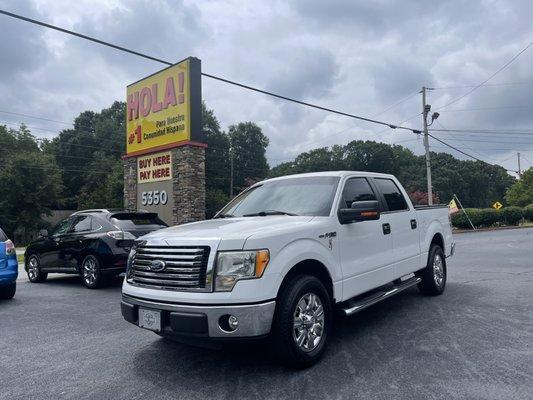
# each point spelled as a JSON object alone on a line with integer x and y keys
{"x": 3, "y": 236}
{"x": 136, "y": 220}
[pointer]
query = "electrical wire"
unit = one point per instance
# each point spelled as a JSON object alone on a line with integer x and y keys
{"x": 488, "y": 79}
{"x": 228, "y": 81}
{"x": 488, "y": 85}
{"x": 487, "y": 131}
{"x": 463, "y": 152}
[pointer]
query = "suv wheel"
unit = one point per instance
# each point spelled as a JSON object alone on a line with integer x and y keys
{"x": 7, "y": 292}
{"x": 302, "y": 321}
{"x": 434, "y": 275}
{"x": 33, "y": 267}
{"x": 90, "y": 272}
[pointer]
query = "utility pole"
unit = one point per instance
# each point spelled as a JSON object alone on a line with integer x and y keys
{"x": 231, "y": 175}
{"x": 425, "y": 110}
{"x": 519, "y": 168}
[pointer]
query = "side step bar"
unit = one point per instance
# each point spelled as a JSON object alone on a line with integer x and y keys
{"x": 354, "y": 306}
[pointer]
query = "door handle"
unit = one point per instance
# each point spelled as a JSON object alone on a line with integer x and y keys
{"x": 413, "y": 224}
{"x": 386, "y": 229}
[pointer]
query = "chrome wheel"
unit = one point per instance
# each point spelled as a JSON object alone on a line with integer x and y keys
{"x": 33, "y": 268}
{"x": 90, "y": 271}
{"x": 308, "y": 323}
{"x": 438, "y": 270}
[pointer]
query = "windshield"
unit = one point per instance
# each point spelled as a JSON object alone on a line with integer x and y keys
{"x": 297, "y": 196}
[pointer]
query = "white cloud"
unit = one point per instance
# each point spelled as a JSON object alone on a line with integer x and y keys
{"x": 356, "y": 56}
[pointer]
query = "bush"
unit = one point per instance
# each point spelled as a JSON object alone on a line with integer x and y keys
{"x": 528, "y": 212}
{"x": 459, "y": 220}
{"x": 511, "y": 215}
{"x": 486, "y": 217}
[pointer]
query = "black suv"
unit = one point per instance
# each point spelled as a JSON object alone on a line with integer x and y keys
{"x": 92, "y": 243}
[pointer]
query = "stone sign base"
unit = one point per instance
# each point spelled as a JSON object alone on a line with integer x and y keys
{"x": 186, "y": 200}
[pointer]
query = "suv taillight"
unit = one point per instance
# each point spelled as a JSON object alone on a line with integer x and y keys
{"x": 120, "y": 235}
{"x": 10, "y": 248}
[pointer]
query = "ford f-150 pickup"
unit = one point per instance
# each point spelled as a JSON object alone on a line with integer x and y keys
{"x": 282, "y": 257}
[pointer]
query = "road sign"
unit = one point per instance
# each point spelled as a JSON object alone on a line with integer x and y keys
{"x": 497, "y": 205}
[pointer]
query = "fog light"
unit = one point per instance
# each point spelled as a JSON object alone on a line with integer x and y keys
{"x": 228, "y": 323}
{"x": 233, "y": 322}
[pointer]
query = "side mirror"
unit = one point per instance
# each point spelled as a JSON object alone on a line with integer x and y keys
{"x": 360, "y": 211}
{"x": 43, "y": 233}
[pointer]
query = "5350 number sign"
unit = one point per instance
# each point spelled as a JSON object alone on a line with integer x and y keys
{"x": 154, "y": 197}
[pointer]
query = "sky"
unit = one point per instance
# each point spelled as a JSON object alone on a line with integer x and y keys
{"x": 369, "y": 58}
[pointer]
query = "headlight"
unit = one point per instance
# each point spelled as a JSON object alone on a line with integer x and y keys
{"x": 133, "y": 251}
{"x": 235, "y": 265}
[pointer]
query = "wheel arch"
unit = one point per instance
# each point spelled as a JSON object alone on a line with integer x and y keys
{"x": 437, "y": 239}
{"x": 314, "y": 268}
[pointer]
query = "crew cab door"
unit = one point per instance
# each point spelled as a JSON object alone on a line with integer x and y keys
{"x": 365, "y": 246}
{"x": 403, "y": 224}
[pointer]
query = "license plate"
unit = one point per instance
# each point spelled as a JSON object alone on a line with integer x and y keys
{"x": 150, "y": 319}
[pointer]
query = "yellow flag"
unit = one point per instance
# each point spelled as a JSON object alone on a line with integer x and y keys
{"x": 452, "y": 207}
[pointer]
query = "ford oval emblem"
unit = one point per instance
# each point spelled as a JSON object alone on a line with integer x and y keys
{"x": 157, "y": 265}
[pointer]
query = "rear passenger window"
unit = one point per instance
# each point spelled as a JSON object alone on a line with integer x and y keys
{"x": 3, "y": 236}
{"x": 393, "y": 195}
{"x": 356, "y": 189}
{"x": 82, "y": 224}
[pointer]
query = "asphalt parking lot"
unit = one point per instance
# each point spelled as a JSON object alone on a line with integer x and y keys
{"x": 60, "y": 340}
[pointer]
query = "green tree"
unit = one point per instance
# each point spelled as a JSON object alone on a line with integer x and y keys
{"x": 30, "y": 183}
{"x": 248, "y": 148}
{"x": 477, "y": 184}
{"x": 96, "y": 142}
{"x": 521, "y": 192}
{"x": 217, "y": 160}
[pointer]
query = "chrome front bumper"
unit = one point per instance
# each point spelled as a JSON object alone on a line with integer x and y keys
{"x": 253, "y": 319}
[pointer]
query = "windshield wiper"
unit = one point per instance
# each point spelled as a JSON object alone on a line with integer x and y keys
{"x": 268, "y": 212}
{"x": 225, "y": 216}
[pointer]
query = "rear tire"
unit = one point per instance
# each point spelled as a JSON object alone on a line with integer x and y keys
{"x": 7, "y": 292}
{"x": 90, "y": 272}
{"x": 302, "y": 321}
{"x": 434, "y": 275}
{"x": 33, "y": 268}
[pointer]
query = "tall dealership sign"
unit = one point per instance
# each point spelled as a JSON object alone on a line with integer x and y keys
{"x": 164, "y": 168}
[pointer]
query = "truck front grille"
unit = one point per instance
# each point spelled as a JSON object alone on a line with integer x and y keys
{"x": 170, "y": 267}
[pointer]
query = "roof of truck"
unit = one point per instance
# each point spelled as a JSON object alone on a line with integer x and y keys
{"x": 332, "y": 173}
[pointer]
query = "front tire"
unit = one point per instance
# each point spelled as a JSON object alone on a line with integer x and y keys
{"x": 8, "y": 292}
{"x": 91, "y": 274}
{"x": 302, "y": 321}
{"x": 33, "y": 268}
{"x": 434, "y": 275}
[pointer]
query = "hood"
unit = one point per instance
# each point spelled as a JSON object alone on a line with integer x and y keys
{"x": 236, "y": 229}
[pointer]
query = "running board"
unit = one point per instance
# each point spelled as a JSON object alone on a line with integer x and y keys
{"x": 354, "y": 306}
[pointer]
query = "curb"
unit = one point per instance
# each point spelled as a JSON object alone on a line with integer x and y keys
{"x": 501, "y": 228}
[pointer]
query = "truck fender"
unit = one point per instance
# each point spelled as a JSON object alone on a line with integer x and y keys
{"x": 308, "y": 249}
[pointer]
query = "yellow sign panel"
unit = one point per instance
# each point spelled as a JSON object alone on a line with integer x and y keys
{"x": 155, "y": 167}
{"x": 497, "y": 205}
{"x": 164, "y": 108}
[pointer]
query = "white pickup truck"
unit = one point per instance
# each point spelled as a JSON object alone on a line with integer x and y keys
{"x": 282, "y": 256}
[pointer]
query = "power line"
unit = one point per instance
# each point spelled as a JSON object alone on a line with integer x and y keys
{"x": 475, "y": 152}
{"x": 464, "y": 153}
{"x": 228, "y": 81}
{"x": 488, "y": 79}
{"x": 487, "y": 108}
{"x": 395, "y": 104}
{"x": 488, "y": 85}
{"x": 33, "y": 116}
{"x": 487, "y": 131}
